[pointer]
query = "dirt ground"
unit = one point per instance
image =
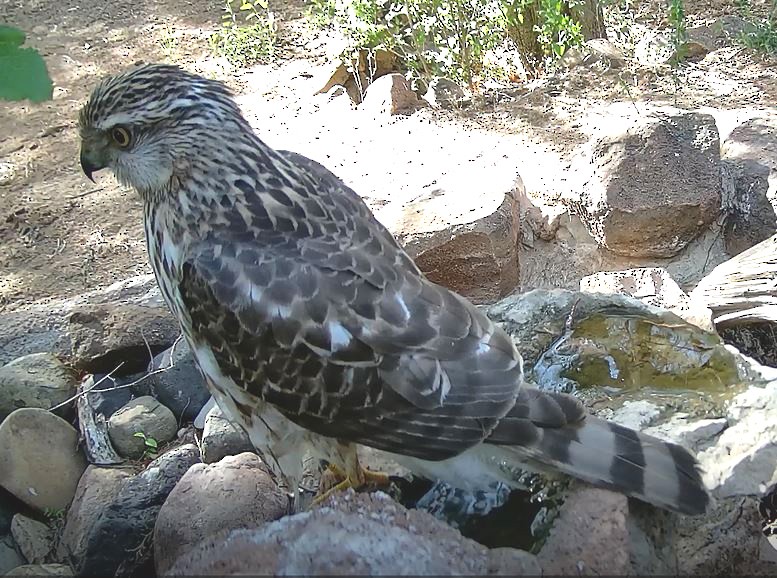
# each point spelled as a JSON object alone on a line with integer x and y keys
{"x": 61, "y": 235}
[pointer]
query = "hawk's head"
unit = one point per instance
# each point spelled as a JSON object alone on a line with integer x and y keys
{"x": 148, "y": 124}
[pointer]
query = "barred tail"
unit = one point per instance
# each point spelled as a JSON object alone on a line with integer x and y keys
{"x": 599, "y": 452}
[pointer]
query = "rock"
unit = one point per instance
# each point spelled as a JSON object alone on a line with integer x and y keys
{"x": 180, "y": 387}
{"x": 621, "y": 205}
{"x": 9, "y": 506}
{"x": 222, "y": 437}
{"x": 142, "y": 415}
{"x": 651, "y": 285}
{"x": 390, "y": 94}
{"x": 365, "y": 534}
{"x": 199, "y": 421}
{"x": 106, "y": 328}
{"x": 595, "y": 51}
{"x": 120, "y": 540}
{"x": 42, "y": 462}
{"x": 41, "y": 570}
{"x": 444, "y": 93}
{"x": 743, "y": 460}
{"x": 197, "y": 509}
{"x": 37, "y": 380}
{"x": 756, "y": 339}
{"x": 513, "y": 562}
{"x": 478, "y": 259}
{"x": 723, "y": 542}
{"x": 718, "y": 33}
{"x": 694, "y": 434}
{"x": 636, "y": 415}
{"x": 10, "y": 557}
{"x": 34, "y": 539}
{"x": 590, "y": 342}
{"x": 751, "y": 206}
{"x": 590, "y": 536}
{"x": 97, "y": 489}
{"x": 109, "y": 402}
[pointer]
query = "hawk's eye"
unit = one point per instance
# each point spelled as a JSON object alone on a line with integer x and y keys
{"x": 121, "y": 136}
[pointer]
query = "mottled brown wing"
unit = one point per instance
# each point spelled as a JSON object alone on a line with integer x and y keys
{"x": 352, "y": 347}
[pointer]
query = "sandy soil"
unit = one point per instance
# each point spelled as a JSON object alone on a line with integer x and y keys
{"x": 61, "y": 235}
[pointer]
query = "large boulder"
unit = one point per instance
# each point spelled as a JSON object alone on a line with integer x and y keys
{"x": 142, "y": 419}
{"x": 37, "y": 380}
{"x": 655, "y": 185}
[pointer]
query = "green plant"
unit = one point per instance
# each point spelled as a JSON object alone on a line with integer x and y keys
{"x": 23, "y": 73}
{"x": 54, "y": 514}
{"x": 679, "y": 38}
{"x": 151, "y": 447}
{"x": 247, "y": 34}
{"x": 168, "y": 42}
{"x": 762, "y": 32}
{"x": 557, "y": 31}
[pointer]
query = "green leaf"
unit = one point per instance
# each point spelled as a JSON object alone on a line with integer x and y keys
{"x": 263, "y": 3}
{"x": 12, "y": 36}
{"x": 151, "y": 442}
{"x": 23, "y": 73}
{"x": 139, "y": 434}
{"x": 247, "y": 6}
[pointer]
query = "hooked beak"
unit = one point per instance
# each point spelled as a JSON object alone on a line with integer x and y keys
{"x": 89, "y": 165}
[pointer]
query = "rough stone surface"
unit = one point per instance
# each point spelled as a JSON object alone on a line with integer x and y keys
{"x": 120, "y": 540}
{"x": 10, "y": 557}
{"x": 34, "y": 539}
{"x": 42, "y": 462}
{"x": 651, "y": 285}
{"x": 590, "y": 536}
{"x": 364, "y": 534}
{"x": 444, "y": 93}
{"x": 222, "y": 438}
{"x": 655, "y": 186}
{"x": 41, "y": 570}
{"x": 9, "y": 506}
{"x": 743, "y": 460}
{"x": 197, "y": 508}
{"x": 751, "y": 205}
{"x": 143, "y": 415}
{"x": 107, "y": 321}
{"x": 97, "y": 489}
{"x": 478, "y": 259}
{"x": 636, "y": 414}
{"x": 37, "y": 380}
{"x": 180, "y": 387}
{"x": 390, "y": 94}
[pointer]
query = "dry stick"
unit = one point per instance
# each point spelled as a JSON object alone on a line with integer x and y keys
{"x": 94, "y": 431}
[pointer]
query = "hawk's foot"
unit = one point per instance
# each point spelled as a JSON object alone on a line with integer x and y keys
{"x": 335, "y": 479}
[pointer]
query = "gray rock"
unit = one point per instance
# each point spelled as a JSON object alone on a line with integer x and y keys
{"x": 743, "y": 460}
{"x": 222, "y": 438}
{"x": 694, "y": 434}
{"x": 199, "y": 421}
{"x": 651, "y": 285}
{"x": 41, "y": 570}
{"x": 10, "y": 557}
{"x": 9, "y": 506}
{"x": 37, "y": 380}
{"x": 120, "y": 540}
{"x": 197, "y": 508}
{"x": 97, "y": 489}
{"x": 181, "y": 387}
{"x": 751, "y": 203}
{"x": 636, "y": 414}
{"x": 34, "y": 539}
{"x": 143, "y": 415}
{"x": 109, "y": 326}
{"x": 590, "y": 536}
{"x": 110, "y": 401}
{"x": 390, "y": 94}
{"x": 621, "y": 205}
{"x": 444, "y": 93}
{"x": 42, "y": 462}
{"x": 365, "y": 534}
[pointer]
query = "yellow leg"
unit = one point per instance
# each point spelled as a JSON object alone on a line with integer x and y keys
{"x": 354, "y": 477}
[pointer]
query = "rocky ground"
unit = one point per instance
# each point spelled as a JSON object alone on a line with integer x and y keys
{"x": 615, "y": 182}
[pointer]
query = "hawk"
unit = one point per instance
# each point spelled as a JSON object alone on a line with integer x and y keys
{"x": 315, "y": 330}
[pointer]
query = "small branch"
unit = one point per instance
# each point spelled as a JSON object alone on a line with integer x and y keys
{"x": 94, "y": 430}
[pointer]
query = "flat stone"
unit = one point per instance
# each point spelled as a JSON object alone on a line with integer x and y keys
{"x": 364, "y": 534}
{"x": 221, "y": 438}
{"x": 391, "y": 95}
{"x": 120, "y": 540}
{"x": 34, "y": 539}
{"x": 38, "y": 380}
{"x": 42, "y": 462}
{"x": 444, "y": 93}
{"x": 10, "y": 557}
{"x": 96, "y": 491}
{"x": 197, "y": 509}
{"x": 143, "y": 415}
{"x": 109, "y": 326}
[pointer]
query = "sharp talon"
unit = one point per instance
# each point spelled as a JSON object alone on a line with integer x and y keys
{"x": 342, "y": 486}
